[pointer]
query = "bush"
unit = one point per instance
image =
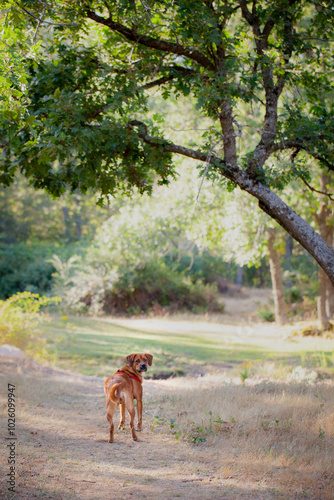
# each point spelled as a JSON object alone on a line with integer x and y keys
{"x": 19, "y": 317}
{"x": 24, "y": 267}
{"x": 266, "y": 313}
{"x": 138, "y": 289}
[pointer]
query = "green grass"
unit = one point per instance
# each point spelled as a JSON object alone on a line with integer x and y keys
{"x": 98, "y": 347}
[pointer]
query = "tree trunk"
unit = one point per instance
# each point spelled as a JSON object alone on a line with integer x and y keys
{"x": 326, "y": 232}
{"x": 321, "y": 302}
{"x": 66, "y": 218}
{"x": 288, "y": 255}
{"x": 276, "y": 278}
{"x": 239, "y": 276}
{"x": 329, "y": 286}
{"x": 78, "y": 220}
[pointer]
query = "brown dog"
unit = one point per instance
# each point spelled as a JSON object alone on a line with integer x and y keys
{"x": 122, "y": 388}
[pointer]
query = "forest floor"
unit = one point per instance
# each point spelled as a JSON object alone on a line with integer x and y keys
{"x": 225, "y": 434}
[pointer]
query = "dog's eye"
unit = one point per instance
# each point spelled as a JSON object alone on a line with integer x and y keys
{"x": 145, "y": 360}
{"x": 137, "y": 360}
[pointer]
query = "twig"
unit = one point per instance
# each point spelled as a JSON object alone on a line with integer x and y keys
{"x": 329, "y": 195}
{"x": 41, "y": 20}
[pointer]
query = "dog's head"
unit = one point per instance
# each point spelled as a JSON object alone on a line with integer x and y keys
{"x": 139, "y": 362}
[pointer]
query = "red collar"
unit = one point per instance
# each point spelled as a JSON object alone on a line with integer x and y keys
{"x": 131, "y": 376}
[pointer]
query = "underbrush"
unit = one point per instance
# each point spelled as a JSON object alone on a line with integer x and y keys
{"x": 267, "y": 425}
{"x": 20, "y": 316}
{"x": 148, "y": 287}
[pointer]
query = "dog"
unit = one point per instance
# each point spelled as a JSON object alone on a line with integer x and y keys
{"x": 122, "y": 388}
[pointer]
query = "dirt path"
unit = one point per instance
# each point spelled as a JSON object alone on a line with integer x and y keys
{"x": 63, "y": 453}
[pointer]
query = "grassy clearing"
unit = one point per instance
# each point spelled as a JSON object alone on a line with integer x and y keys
{"x": 98, "y": 346}
{"x": 280, "y": 433}
{"x": 204, "y": 438}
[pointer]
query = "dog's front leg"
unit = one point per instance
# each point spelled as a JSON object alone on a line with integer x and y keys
{"x": 140, "y": 414}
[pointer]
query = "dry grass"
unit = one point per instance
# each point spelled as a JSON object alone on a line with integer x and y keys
{"x": 282, "y": 432}
{"x": 264, "y": 439}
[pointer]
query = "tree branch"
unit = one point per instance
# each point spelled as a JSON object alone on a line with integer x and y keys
{"x": 157, "y": 142}
{"x": 329, "y": 195}
{"x": 299, "y": 144}
{"x": 169, "y": 78}
{"x": 42, "y": 20}
{"x": 154, "y": 43}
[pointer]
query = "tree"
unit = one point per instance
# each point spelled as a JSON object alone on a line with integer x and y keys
{"x": 324, "y": 218}
{"x": 277, "y": 278}
{"x": 88, "y": 98}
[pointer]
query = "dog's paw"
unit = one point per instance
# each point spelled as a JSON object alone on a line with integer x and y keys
{"x": 111, "y": 441}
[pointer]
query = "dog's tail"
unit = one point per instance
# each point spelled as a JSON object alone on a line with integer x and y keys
{"x": 114, "y": 392}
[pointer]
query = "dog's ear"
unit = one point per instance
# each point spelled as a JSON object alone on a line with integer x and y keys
{"x": 149, "y": 358}
{"x": 130, "y": 359}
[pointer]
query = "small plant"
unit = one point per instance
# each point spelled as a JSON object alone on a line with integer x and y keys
{"x": 19, "y": 318}
{"x": 244, "y": 374}
{"x": 173, "y": 428}
{"x": 158, "y": 421}
{"x": 266, "y": 313}
{"x": 321, "y": 432}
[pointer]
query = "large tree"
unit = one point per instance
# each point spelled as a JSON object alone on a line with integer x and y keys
{"x": 89, "y": 96}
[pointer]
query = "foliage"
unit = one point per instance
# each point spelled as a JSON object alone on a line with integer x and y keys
{"x": 27, "y": 215}
{"x": 20, "y": 316}
{"x": 151, "y": 286}
{"x": 17, "y": 45}
{"x": 266, "y": 313}
{"x": 268, "y": 68}
{"x": 23, "y": 268}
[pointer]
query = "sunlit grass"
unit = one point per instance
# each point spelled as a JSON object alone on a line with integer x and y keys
{"x": 98, "y": 346}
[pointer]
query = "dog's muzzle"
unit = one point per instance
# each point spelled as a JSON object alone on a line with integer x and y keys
{"x": 143, "y": 368}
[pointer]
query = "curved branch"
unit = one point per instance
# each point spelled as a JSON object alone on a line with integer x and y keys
{"x": 169, "y": 78}
{"x": 314, "y": 190}
{"x": 269, "y": 202}
{"x": 298, "y": 144}
{"x": 154, "y": 43}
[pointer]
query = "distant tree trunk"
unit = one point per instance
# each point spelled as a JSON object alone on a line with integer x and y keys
{"x": 239, "y": 276}
{"x": 321, "y": 303}
{"x": 325, "y": 295}
{"x": 67, "y": 229}
{"x": 288, "y": 255}
{"x": 329, "y": 286}
{"x": 276, "y": 279}
{"x": 78, "y": 219}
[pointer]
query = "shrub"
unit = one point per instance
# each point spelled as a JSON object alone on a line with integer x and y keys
{"x": 24, "y": 267}
{"x": 139, "y": 288}
{"x": 266, "y": 313}
{"x": 19, "y": 318}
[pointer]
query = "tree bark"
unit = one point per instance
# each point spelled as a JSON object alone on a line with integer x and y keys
{"x": 329, "y": 286}
{"x": 288, "y": 255}
{"x": 239, "y": 276}
{"x": 324, "y": 302}
{"x": 276, "y": 279}
{"x": 66, "y": 218}
{"x": 78, "y": 219}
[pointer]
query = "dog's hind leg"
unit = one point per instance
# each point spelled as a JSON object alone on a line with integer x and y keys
{"x": 111, "y": 408}
{"x": 122, "y": 422}
{"x": 140, "y": 414}
{"x": 132, "y": 412}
